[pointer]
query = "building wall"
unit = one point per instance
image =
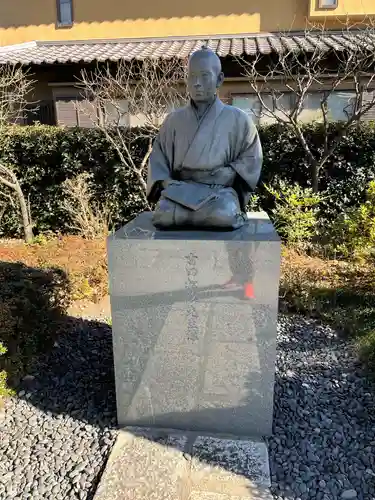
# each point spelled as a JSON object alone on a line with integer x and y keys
{"x": 355, "y": 9}
{"x": 25, "y": 20}
{"x": 69, "y": 112}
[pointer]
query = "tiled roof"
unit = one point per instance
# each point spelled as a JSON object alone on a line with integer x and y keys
{"x": 180, "y": 47}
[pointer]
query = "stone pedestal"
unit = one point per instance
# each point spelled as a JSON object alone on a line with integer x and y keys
{"x": 194, "y": 317}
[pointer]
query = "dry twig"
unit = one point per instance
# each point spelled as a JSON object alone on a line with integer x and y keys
{"x": 140, "y": 92}
{"x": 89, "y": 219}
{"x": 282, "y": 86}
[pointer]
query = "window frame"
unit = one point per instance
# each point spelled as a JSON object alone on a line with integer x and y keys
{"x": 59, "y": 23}
{"x": 67, "y": 93}
{"x": 244, "y": 94}
{"x": 335, "y": 92}
{"x": 247, "y": 94}
{"x": 321, "y": 5}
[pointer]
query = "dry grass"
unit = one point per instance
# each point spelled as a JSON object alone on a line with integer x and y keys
{"x": 308, "y": 282}
{"x": 340, "y": 293}
{"x": 89, "y": 219}
{"x": 83, "y": 260}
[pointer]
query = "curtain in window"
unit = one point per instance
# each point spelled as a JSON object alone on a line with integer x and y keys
{"x": 340, "y": 106}
{"x": 65, "y": 12}
{"x": 252, "y": 105}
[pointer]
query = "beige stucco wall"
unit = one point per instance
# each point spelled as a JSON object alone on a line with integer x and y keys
{"x": 25, "y": 20}
{"x": 354, "y": 9}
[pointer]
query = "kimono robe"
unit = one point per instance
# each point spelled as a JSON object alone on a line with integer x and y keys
{"x": 219, "y": 153}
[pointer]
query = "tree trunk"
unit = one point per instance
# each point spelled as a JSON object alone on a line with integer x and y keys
{"x": 143, "y": 184}
{"x": 315, "y": 177}
{"x": 27, "y": 226}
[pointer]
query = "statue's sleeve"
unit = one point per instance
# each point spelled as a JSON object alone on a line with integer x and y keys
{"x": 159, "y": 167}
{"x": 249, "y": 155}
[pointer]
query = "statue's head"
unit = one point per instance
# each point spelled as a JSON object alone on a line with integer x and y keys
{"x": 204, "y": 75}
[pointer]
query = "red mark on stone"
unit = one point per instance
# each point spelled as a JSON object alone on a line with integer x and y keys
{"x": 249, "y": 291}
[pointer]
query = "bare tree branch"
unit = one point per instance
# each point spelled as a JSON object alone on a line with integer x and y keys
{"x": 310, "y": 67}
{"x": 135, "y": 93}
{"x": 15, "y": 87}
{"x": 88, "y": 218}
{"x": 9, "y": 180}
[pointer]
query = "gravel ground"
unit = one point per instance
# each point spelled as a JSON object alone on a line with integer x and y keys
{"x": 323, "y": 446}
{"x": 55, "y": 438}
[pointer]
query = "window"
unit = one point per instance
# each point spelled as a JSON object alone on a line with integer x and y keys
{"x": 328, "y": 4}
{"x": 75, "y": 109}
{"x": 72, "y": 109}
{"x": 116, "y": 114}
{"x": 367, "y": 98}
{"x": 43, "y": 112}
{"x": 252, "y": 105}
{"x": 64, "y": 12}
{"x": 340, "y": 105}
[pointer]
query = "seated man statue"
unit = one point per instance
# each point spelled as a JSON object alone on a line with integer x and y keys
{"x": 206, "y": 159}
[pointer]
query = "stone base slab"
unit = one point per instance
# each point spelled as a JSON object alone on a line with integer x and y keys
{"x": 159, "y": 464}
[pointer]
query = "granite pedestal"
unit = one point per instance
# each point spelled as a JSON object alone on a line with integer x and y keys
{"x": 194, "y": 317}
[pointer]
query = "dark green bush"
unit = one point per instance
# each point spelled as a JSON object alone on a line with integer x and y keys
{"x": 344, "y": 178}
{"x": 32, "y": 306}
{"x": 43, "y": 157}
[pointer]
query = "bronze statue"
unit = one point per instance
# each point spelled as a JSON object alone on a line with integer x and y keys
{"x": 207, "y": 157}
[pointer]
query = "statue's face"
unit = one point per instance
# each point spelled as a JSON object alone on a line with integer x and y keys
{"x": 204, "y": 77}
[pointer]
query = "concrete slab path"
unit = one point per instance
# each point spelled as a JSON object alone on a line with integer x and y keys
{"x": 149, "y": 464}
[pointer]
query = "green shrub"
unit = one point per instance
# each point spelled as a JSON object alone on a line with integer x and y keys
{"x": 32, "y": 306}
{"x": 44, "y": 157}
{"x": 295, "y": 212}
{"x": 254, "y": 204}
{"x": 345, "y": 176}
{"x": 367, "y": 350}
{"x": 4, "y": 390}
{"x": 353, "y": 234}
{"x": 90, "y": 219}
{"x": 339, "y": 293}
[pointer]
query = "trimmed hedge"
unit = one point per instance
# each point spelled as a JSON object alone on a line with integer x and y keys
{"x": 344, "y": 178}
{"x": 43, "y": 157}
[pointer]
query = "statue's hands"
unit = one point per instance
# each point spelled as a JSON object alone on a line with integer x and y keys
{"x": 166, "y": 183}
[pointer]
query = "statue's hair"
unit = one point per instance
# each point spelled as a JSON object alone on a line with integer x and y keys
{"x": 205, "y": 51}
